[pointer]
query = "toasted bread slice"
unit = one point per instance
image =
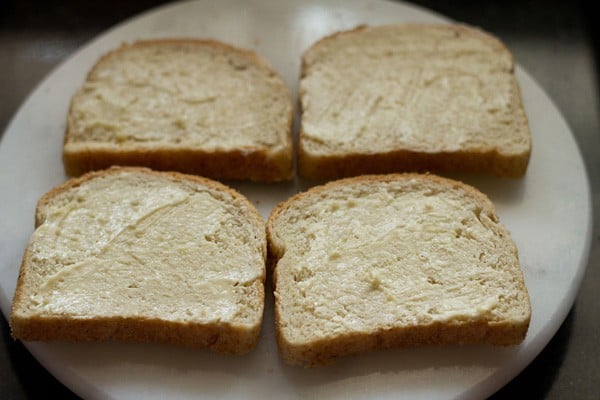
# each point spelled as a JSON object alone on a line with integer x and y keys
{"x": 134, "y": 255}
{"x": 386, "y": 261}
{"x": 193, "y": 106}
{"x": 414, "y": 98}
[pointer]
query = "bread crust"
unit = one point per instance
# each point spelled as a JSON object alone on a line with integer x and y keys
{"x": 483, "y": 161}
{"x": 336, "y": 166}
{"x": 324, "y": 350}
{"x": 223, "y": 336}
{"x": 256, "y": 164}
{"x": 220, "y": 337}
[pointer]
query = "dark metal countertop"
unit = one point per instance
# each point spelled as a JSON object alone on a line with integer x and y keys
{"x": 552, "y": 40}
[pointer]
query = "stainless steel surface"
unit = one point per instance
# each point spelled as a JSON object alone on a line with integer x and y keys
{"x": 552, "y": 40}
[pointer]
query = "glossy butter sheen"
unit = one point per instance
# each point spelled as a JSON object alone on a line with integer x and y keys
{"x": 180, "y": 95}
{"x": 158, "y": 243}
{"x": 377, "y": 90}
{"x": 411, "y": 257}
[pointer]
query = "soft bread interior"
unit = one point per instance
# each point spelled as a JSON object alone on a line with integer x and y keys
{"x": 181, "y": 94}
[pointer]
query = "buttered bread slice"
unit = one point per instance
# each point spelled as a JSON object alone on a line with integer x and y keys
{"x": 395, "y": 260}
{"x": 193, "y": 106}
{"x": 129, "y": 254}
{"x": 411, "y": 98}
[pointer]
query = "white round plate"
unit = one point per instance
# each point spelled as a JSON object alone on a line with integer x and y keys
{"x": 548, "y": 213}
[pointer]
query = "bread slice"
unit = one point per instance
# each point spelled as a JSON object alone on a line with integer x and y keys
{"x": 411, "y": 98}
{"x": 385, "y": 261}
{"x": 194, "y": 106}
{"x": 129, "y": 254}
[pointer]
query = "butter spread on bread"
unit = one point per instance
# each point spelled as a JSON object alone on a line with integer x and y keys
{"x": 411, "y": 98}
{"x": 194, "y": 106}
{"x": 394, "y": 260}
{"x": 135, "y": 255}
